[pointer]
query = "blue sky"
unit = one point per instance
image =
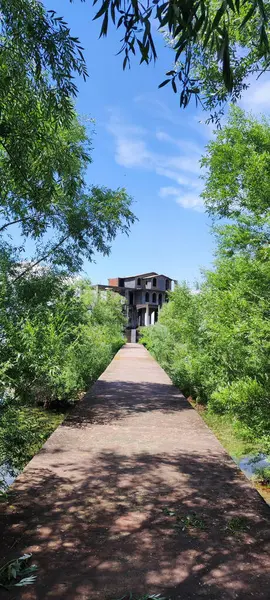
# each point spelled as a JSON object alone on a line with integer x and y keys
{"x": 144, "y": 142}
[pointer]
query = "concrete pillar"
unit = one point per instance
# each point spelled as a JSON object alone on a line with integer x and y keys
{"x": 147, "y": 315}
{"x": 153, "y": 317}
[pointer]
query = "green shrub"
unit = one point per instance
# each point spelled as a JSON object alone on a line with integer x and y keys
{"x": 57, "y": 338}
{"x": 23, "y": 430}
{"x": 159, "y": 342}
{"x": 262, "y": 475}
{"x": 215, "y": 344}
{"x": 247, "y": 399}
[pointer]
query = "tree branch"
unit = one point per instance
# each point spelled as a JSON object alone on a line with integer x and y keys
{"x": 33, "y": 265}
{"x": 22, "y": 220}
{"x": 13, "y": 223}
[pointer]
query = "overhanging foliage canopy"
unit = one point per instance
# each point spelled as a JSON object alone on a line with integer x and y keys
{"x": 217, "y": 43}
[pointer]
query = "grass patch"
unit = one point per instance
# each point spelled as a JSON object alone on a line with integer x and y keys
{"x": 192, "y": 520}
{"x": 23, "y": 431}
{"x": 228, "y": 433}
{"x": 262, "y": 476}
{"x": 3, "y": 493}
{"x": 168, "y": 512}
{"x": 238, "y": 525}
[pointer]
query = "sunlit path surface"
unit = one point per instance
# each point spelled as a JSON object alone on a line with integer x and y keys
{"x": 134, "y": 493}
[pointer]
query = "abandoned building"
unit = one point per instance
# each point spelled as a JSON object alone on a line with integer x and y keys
{"x": 144, "y": 293}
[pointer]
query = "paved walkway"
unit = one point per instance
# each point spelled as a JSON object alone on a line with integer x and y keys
{"x": 134, "y": 493}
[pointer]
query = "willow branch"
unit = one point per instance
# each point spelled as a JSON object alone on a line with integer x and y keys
{"x": 37, "y": 262}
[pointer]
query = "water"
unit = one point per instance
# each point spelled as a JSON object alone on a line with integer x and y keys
{"x": 249, "y": 464}
{"x": 7, "y": 476}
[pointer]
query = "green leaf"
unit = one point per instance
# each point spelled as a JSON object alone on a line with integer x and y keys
{"x": 164, "y": 83}
{"x": 26, "y": 581}
{"x": 104, "y": 27}
{"x": 248, "y": 16}
{"x": 219, "y": 14}
{"x": 102, "y": 10}
{"x": 174, "y": 86}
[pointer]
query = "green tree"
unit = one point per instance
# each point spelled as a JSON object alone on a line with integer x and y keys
{"x": 38, "y": 61}
{"x": 238, "y": 167}
{"x": 219, "y": 339}
{"x": 79, "y": 219}
{"x": 44, "y": 150}
{"x": 237, "y": 180}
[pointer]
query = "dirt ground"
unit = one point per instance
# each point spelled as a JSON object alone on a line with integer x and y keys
{"x": 134, "y": 493}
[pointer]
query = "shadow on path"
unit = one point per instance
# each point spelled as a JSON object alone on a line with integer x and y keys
{"x": 114, "y": 400}
{"x": 119, "y": 523}
{"x": 134, "y": 493}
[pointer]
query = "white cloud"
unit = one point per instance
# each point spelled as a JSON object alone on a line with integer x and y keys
{"x": 117, "y": 126}
{"x": 162, "y": 136}
{"x": 184, "y": 163}
{"x": 186, "y": 200}
{"x": 151, "y": 104}
{"x": 190, "y": 201}
{"x": 132, "y": 150}
{"x": 174, "y": 175}
{"x": 164, "y": 192}
{"x": 131, "y": 153}
{"x": 257, "y": 97}
{"x": 184, "y": 144}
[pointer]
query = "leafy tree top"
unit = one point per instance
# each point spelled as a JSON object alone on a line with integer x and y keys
{"x": 237, "y": 182}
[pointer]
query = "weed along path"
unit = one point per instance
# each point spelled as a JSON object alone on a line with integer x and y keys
{"x": 133, "y": 493}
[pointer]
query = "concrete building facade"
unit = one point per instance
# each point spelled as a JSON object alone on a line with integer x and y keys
{"x": 144, "y": 293}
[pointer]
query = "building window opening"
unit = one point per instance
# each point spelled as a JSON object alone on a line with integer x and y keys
{"x": 147, "y": 297}
{"x": 160, "y": 299}
{"x": 154, "y": 298}
{"x": 167, "y": 284}
{"x": 154, "y": 282}
{"x": 139, "y": 281}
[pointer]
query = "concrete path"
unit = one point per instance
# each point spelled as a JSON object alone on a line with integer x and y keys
{"x": 134, "y": 493}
